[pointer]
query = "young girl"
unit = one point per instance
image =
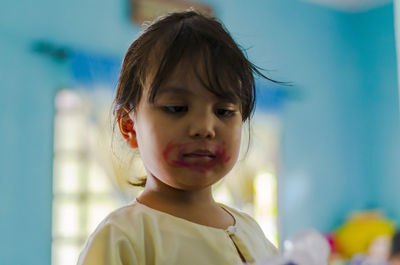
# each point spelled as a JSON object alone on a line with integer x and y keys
{"x": 184, "y": 91}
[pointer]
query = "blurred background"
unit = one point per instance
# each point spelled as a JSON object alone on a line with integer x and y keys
{"x": 324, "y": 152}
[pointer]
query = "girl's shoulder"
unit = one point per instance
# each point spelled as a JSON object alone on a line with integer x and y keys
{"x": 122, "y": 229}
{"x": 130, "y": 215}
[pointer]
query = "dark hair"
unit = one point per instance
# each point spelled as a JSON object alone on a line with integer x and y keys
{"x": 192, "y": 37}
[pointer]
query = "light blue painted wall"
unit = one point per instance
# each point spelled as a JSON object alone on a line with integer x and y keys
{"x": 26, "y": 132}
{"x": 382, "y": 79}
{"x": 335, "y": 143}
{"x": 28, "y": 83}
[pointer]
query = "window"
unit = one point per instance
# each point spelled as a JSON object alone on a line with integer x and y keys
{"x": 83, "y": 192}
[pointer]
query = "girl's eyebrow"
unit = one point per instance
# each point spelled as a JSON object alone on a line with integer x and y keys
{"x": 175, "y": 90}
{"x": 181, "y": 90}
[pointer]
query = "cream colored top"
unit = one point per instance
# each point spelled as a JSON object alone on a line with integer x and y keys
{"x": 138, "y": 234}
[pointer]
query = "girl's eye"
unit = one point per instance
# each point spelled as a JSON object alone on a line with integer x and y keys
{"x": 174, "y": 109}
{"x": 225, "y": 113}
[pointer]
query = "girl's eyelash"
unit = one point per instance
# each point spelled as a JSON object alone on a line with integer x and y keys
{"x": 174, "y": 109}
{"x": 220, "y": 112}
{"x": 224, "y": 112}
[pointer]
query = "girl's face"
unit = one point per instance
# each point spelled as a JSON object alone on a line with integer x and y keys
{"x": 188, "y": 138}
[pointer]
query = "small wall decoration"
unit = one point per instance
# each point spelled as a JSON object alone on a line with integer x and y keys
{"x": 148, "y": 10}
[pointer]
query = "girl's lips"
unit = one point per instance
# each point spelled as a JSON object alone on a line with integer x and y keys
{"x": 200, "y": 153}
{"x": 197, "y": 158}
{"x": 194, "y": 157}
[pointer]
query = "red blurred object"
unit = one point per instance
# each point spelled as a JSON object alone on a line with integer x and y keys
{"x": 332, "y": 243}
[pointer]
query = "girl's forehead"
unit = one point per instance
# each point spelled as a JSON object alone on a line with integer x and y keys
{"x": 184, "y": 71}
{"x": 183, "y": 80}
{"x": 188, "y": 70}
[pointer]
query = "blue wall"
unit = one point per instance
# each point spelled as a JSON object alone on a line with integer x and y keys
{"x": 28, "y": 83}
{"x": 27, "y": 91}
{"x": 341, "y": 141}
{"x": 340, "y": 146}
{"x": 385, "y": 103}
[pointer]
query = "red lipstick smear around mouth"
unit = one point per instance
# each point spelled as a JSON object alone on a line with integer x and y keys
{"x": 175, "y": 155}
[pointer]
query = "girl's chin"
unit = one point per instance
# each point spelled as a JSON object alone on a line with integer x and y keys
{"x": 191, "y": 181}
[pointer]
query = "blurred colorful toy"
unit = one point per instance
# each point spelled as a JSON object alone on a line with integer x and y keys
{"x": 360, "y": 231}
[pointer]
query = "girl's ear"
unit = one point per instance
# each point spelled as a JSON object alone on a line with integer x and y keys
{"x": 127, "y": 130}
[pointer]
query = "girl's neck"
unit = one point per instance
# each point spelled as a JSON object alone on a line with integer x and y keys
{"x": 158, "y": 193}
{"x": 195, "y": 206}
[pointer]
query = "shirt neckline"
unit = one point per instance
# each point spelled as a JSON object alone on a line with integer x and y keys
{"x": 230, "y": 229}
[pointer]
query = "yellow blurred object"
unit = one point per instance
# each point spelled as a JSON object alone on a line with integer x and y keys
{"x": 356, "y": 235}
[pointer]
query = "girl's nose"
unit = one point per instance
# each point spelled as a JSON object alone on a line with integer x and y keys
{"x": 202, "y": 126}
